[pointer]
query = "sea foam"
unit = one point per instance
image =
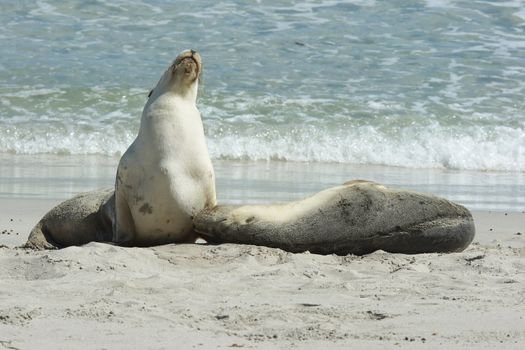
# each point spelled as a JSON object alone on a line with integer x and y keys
{"x": 499, "y": 148}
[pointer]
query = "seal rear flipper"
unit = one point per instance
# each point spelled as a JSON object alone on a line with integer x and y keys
{"x": 443, "y": 235}
{"x": 39, "y": 240}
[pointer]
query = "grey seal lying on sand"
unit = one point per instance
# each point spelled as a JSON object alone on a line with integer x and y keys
{"x": 358, "y": 217}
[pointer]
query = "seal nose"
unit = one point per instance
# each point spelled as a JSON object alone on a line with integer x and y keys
{"x": 193, "y": 52}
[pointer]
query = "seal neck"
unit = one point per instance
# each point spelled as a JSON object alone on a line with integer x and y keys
{"x": 168, "y": 83}
{"x": 187, "y": 92}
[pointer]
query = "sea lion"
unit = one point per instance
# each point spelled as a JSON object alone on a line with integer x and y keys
{"x": 166, "y": 175}
{"x": 84, "y": 218}
{"x": 358, "y": 217}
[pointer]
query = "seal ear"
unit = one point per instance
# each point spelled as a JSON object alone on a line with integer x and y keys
{"x": 150, "y": 92}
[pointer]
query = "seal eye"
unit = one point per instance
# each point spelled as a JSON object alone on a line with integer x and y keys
{"x": 151, "y": 92}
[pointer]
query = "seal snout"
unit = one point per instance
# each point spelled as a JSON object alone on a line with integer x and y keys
{"x": 188, "y": 63}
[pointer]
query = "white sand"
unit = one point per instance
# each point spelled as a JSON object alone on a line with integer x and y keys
{"x": 230, "y": 296}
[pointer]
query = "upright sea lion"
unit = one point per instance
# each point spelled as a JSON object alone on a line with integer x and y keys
{"x": 166, "y": 175}
{"x": 358, "y": 217}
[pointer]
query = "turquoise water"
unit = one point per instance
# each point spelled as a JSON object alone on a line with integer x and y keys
{"x": 403, "y": 83}
{"x": 436, "y": 84}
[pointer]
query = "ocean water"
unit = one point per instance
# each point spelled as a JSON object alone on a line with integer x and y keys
{"x": 436, "y": 84}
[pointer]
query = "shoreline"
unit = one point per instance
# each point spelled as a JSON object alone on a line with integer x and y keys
{"x": 243, "y": 181}
{"x": 19, "y": 215}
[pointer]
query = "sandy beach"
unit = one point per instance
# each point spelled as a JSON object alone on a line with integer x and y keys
{"x": 230, "y": 296}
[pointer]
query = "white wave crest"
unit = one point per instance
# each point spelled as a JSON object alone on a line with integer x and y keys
{"x": 474, "y": 147}
{"x": 499, "y": 149}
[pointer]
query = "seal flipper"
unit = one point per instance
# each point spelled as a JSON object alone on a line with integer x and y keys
{"x": 124, "y": 227}
{"x": 208, "y": 237}
{"x": 38, "y": 239}
{"x": 444, "y": 235}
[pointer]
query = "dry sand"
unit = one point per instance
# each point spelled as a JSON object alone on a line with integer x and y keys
{"x": 230, "y": 296}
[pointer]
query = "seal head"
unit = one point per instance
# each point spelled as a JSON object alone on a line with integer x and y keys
{"x": 182, "y": 76}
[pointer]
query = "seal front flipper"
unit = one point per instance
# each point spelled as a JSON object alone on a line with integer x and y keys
{"x": 124, "y": 228}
